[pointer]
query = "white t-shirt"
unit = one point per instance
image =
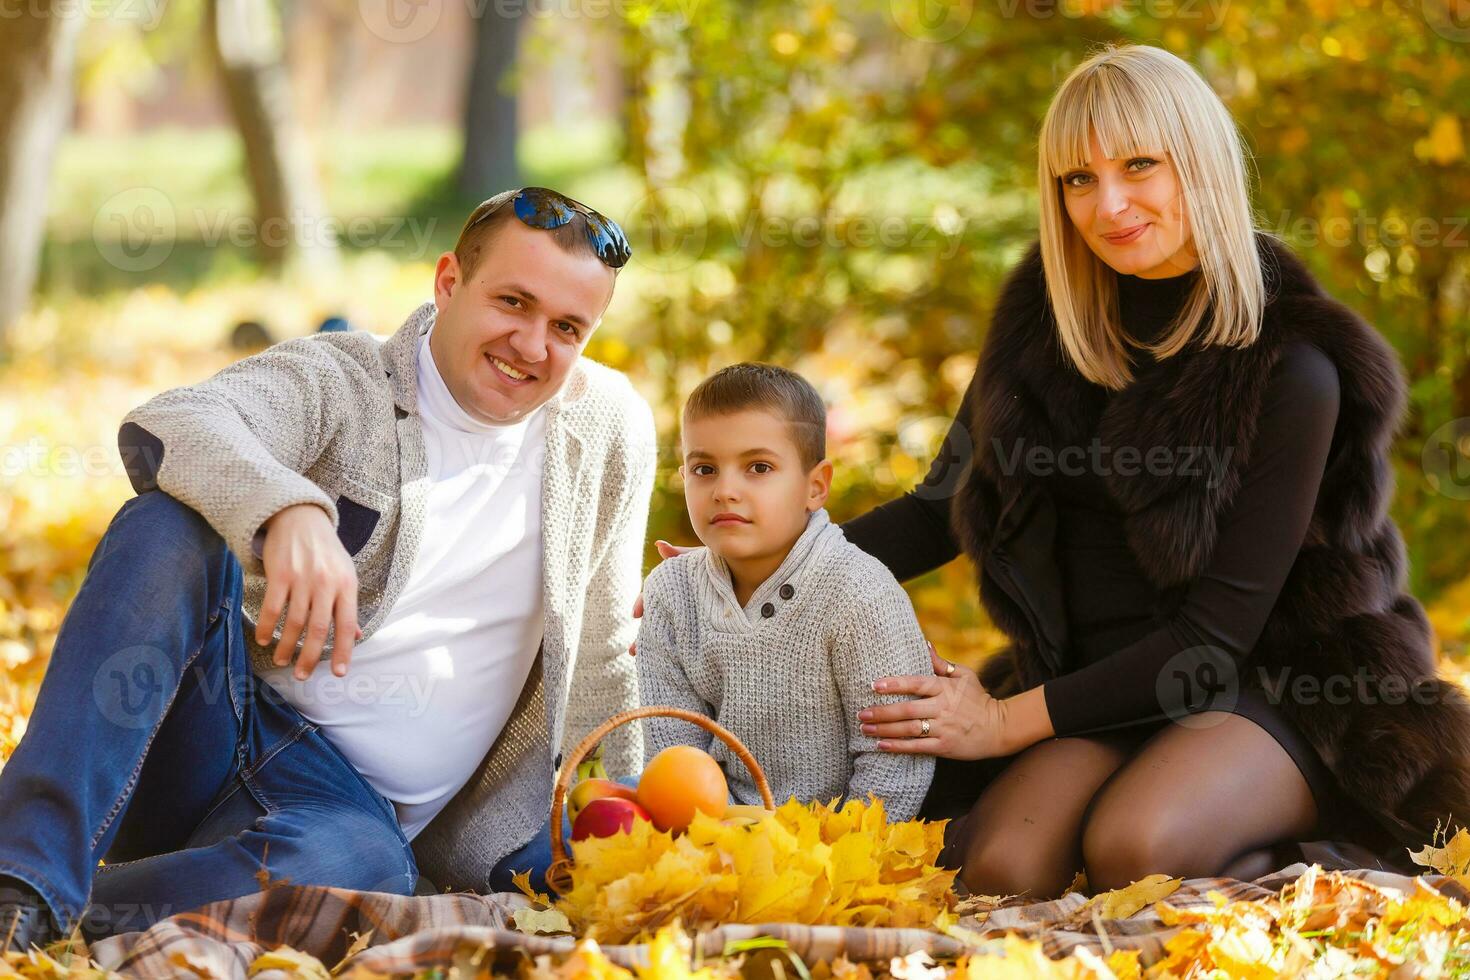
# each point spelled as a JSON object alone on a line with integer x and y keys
{"x": 427, "y": 694}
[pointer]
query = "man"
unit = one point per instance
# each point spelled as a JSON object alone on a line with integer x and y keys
{"x": 445, "y": 529}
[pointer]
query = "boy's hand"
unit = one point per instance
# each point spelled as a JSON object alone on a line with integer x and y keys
{"x": 310, "y": 574}
{"x": 665, "y": 550}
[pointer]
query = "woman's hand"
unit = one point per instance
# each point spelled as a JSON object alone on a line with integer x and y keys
{"x": 964, "y": 721}
{"x": 665, "y": 550}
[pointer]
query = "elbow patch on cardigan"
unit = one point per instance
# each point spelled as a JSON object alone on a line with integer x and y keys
{"x": 142, "y": 455}
{"x": 355, "y": 524}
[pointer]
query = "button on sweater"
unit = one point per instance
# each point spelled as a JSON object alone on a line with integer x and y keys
{"x": 789, "y": 671}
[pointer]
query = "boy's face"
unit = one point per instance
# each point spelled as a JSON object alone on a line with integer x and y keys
{"x": 747, "y": 491}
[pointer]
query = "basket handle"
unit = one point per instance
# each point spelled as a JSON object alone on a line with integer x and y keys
{"x": 559, "y": 875}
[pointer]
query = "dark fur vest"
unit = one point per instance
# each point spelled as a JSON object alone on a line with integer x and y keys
{"x": 1403, "y": 749}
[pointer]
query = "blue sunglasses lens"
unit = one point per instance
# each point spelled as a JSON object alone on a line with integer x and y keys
{"x": 612, "y": 246}
{"x": 546, "y": 209}
{"x": 541, "y": 210}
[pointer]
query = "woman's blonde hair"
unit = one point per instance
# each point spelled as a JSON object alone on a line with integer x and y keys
{"x": 1141, "y": 99}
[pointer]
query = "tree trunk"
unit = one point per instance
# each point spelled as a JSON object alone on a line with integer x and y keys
{"x": 491, "y": 119}
{"x": 37, "y": 54}
{"x": 292, "y": 223}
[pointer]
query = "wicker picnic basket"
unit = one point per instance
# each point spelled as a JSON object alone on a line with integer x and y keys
{"x": 559, "y": 875}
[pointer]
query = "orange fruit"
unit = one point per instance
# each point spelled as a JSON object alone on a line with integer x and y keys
{"x": 679, "y": 781}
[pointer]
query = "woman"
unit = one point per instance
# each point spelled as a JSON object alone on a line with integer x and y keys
{"x": 1172, "y": 473}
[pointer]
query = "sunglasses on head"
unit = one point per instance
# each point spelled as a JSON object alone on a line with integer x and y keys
{"x": 544, "y": 208}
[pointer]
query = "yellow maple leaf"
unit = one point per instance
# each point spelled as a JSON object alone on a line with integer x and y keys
{"x": 1451, "y": 859}
{"x": 1249, "y": 954}
{"x": 1125, "y": 965}
{"x": 540, "y": 922}
{"x": 1024, "y": 959}
{"x": 522, "y": 881}
{"x": 669, "y": 954}
{"x": 586, "y": 962}
{"x": 293, "y": 962}
{"x": 1120, "y": 903}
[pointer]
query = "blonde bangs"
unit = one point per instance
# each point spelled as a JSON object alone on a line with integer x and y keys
{"x": 1127, "y": 123}
{"x": 1142, "y": 100}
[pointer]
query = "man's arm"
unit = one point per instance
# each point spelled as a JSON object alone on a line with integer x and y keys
{"x": 604, "y": 679}
{"x": 879, "y": 636}
{"x": 233, "y": 447}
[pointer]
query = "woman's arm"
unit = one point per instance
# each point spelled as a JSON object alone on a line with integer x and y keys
{"x": 1226, "y": 608}
{"x": 911, "y": 535}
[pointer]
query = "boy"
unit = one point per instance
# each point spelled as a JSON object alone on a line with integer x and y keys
{"x": 778, "y": 627}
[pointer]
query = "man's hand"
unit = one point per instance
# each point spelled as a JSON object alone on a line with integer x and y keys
{"x": 310, "y": 574}
{"x": 665, "y": 550}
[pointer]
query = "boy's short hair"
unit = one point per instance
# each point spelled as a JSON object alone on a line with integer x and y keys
{"x": 765, "y": 386}
{"x": 479, "y": 232}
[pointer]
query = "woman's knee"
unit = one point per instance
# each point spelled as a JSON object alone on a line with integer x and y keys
{"x": 1120, "y": 845}
{"x": 1000, "y": 864}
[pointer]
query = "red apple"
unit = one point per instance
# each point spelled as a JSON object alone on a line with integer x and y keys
{"x": 605, "y": 816}
{"x": 595, "y": 789}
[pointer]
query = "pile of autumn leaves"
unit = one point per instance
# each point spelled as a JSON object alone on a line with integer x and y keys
{"x": 804, "y": 864}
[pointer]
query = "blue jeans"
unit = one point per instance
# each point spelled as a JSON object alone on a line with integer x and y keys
{"x": 154, "y": 747}
{"x": 535, "y": 857}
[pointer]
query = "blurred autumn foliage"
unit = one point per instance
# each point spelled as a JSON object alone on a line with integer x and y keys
{"x": 840, "y": 188}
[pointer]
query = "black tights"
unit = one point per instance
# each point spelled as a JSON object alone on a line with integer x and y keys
{"x": 1205, "y": 797}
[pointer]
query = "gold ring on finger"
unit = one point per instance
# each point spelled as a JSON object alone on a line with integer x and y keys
{"x": 924, "y": 728}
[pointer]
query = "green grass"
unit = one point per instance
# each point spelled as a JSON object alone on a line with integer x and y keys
{"x": 391, "y": 190}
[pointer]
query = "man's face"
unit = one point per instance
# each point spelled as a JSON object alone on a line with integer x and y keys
{"x": 747, "y": 491}
{"x": 507, "y": 337}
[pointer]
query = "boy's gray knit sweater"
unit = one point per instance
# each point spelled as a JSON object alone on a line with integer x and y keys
{"x": 789, "y": 672}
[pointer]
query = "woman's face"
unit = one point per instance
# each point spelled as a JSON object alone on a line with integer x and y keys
{"x": 1130, "y": 211}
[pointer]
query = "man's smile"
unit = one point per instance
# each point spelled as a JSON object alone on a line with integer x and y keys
{"x": 510, "y": 373}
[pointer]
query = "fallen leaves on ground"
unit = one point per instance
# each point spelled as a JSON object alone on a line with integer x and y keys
{"x": 1325, "y": 924}
{"x": 1122, "y": 903}
{"x": 1452, "y": 858}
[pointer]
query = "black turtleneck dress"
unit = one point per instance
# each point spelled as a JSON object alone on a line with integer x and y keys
{"x": 1119, "y": 651}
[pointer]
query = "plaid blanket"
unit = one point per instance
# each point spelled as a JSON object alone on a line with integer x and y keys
{"x": 388, "y": 934}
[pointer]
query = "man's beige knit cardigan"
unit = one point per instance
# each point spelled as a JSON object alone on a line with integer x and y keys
{"x": 332, "y": 419}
